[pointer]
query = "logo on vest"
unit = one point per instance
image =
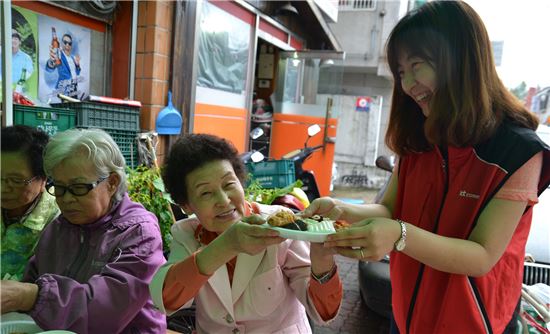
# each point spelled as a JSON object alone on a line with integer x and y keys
{"x": 464, "y": 193}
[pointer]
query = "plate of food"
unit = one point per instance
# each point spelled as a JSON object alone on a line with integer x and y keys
{"x": 291, "y": 226}
{"x": 16, "y": 323}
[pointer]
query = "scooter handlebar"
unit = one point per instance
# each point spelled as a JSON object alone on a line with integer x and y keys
{"x": 302, "y": 154}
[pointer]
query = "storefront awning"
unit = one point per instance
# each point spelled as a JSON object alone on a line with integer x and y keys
{"x": 324, "y": 26}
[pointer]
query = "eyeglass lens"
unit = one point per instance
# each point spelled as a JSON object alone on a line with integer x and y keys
{"x": 77, "y": 189}
{"x": 18, "y": 182}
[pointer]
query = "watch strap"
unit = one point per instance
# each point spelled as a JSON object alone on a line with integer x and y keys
{"x": 322, "y": 279}
{"x": 400, "y": 243}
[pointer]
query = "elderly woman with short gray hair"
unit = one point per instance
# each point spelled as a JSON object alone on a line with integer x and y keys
{"x": 93, "y": 264}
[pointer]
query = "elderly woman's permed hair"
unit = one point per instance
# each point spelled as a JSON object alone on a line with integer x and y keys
{"x": 95, "y": 145}
{"x": 194, "y": 151}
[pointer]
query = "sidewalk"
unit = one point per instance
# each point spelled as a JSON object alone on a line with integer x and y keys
{"x": 354, "y": 316}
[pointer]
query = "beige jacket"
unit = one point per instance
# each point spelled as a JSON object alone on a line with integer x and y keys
{"x": 269, "y": 292}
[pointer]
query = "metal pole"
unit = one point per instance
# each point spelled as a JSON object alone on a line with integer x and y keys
{"x": 7, "y": 98}
{"x": 249, "y": 99}
{"x": 131, "y": 86}
{"x": 193, "y": 14}
{"x": 378, "y": 130}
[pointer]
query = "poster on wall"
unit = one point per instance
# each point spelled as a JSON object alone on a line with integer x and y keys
{"x": 24, "y": 48}
{"x": 64, "y": 60}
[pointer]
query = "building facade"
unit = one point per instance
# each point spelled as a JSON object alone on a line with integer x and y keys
{"x": 219, "y": 59}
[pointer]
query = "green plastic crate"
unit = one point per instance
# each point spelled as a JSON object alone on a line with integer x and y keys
{"x": 272, "y": 173}
{"x": 126, "y": 141}
{"x": 104, "y": 115}
{"x": 51, "y": 120}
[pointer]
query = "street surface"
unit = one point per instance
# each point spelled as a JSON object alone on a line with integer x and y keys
{"x": 354, "y": 316}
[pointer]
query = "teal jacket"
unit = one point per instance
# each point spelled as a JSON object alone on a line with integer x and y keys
{"x": 20, "y": 239}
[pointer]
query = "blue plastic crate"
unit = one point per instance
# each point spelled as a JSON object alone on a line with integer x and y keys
{"x": 273, "y": 173}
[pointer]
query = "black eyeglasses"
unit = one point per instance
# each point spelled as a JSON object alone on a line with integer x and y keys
{"x": 77, "y": 189}
{"x": 18, "y": 182}
{"x": 67, "y": 42}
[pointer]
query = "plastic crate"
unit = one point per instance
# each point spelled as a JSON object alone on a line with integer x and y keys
{"x": 104, "y": 115}
{"x": 273, "y": 173}
{"x": 126, "y": 141}
{"x": 51, "y": 120}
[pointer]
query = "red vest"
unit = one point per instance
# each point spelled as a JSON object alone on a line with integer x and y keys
{"x": 446, "y": 196}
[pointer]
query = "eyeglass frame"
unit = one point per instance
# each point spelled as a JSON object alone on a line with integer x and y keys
{"x": 66, "y": 42}
{"x": 90, "y": 186}
{"x": 18, "y": 184}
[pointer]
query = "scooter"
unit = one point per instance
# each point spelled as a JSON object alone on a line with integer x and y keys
{"x": 299, "y": 157}
{"x": 254, "y": 155}
{"x": 384, "y": 162}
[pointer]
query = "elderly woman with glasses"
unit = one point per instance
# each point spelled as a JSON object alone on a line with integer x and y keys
{"x": 93, "y": 264}
{"x": 26, "y": 207}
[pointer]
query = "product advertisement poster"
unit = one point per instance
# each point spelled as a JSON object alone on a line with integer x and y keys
{"x": 63, "y": 60}
{"x": 24, "y": 48}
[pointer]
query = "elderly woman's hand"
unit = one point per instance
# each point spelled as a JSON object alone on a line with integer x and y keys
{"x": 250, "y": 239}
{"x": 17, "y": 296}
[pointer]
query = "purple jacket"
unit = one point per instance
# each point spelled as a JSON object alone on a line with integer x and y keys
{"x": 95, "y": 278}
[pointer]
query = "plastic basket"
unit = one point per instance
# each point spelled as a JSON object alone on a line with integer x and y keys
{"x": 272, "y": 173}
{"x": 104, "y": 115}
{"x": 126, "y": 141}
{"x": 51, "y": 120}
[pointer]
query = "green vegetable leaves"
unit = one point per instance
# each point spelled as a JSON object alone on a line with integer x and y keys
{"x": 255, "y": 192}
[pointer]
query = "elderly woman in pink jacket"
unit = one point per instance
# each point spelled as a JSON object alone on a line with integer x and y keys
{"x": 242, "y": 277}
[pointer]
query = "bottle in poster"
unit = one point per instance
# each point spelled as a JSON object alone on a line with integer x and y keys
{"x": 21, "y": 83}
{"x": 55, "y": 46}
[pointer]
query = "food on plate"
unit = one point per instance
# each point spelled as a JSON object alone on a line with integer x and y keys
{"x": 298, "y": 225}
{"x": 281, "y": 218}
{"x": 254, "y": 219}
{"x": 288, "y": 220}
{"x": 341, "y": 225}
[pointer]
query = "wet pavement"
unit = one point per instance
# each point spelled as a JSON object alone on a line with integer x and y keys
{"x": 354, "y": 316}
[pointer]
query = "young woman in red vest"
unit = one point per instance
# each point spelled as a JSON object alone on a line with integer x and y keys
{"x": 458, "y": 208}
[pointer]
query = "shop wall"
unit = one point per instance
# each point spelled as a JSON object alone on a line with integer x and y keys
{"x": 154, "y": 45}
{"x": 224, "y": 55}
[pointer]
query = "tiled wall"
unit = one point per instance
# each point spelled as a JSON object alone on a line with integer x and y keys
{"x": 154, "y": 45}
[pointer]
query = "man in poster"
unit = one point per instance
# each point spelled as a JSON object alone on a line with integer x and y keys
{"x": 67, "y": 70}
{"x": 20, "y": 60}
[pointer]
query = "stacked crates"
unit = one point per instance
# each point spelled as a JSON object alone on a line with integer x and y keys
{"x": 120, "y": 121}
{"x": 272, "y": 173}
{"x": 50, "y": 120}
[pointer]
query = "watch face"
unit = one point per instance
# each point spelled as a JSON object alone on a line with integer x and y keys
{"x": 400, "y": 245}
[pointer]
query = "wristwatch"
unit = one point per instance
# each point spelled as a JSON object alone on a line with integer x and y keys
{"x": 325, "y": 277}
{"x": 400, "y": 243}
